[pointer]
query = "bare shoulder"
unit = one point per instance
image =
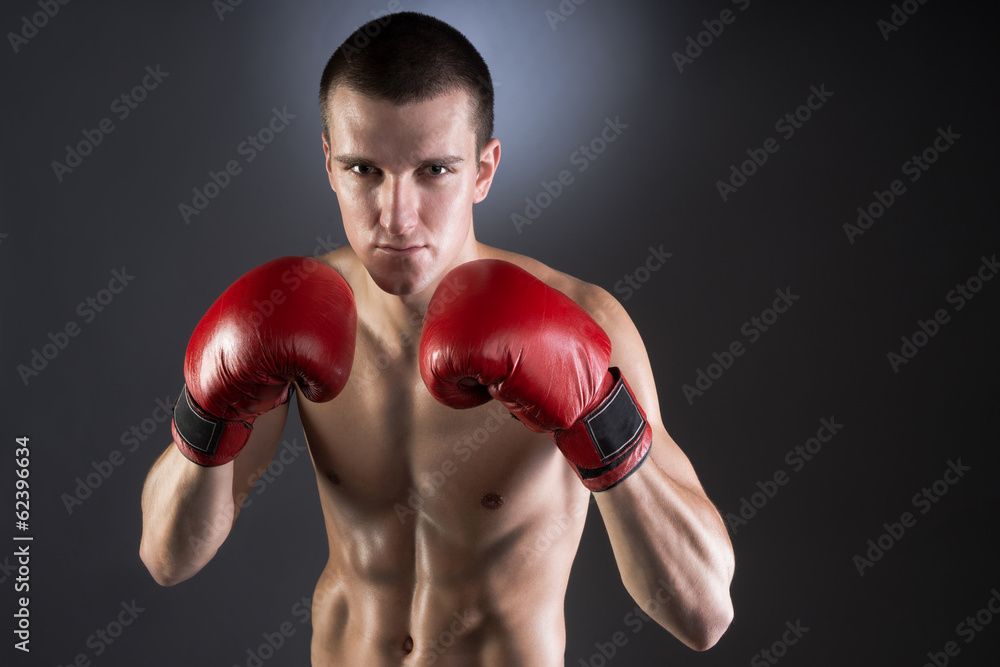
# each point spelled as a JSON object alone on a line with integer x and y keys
{"x": 345, "y": 262}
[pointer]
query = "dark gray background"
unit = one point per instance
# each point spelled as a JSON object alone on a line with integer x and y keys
{"x": 656, "y": 184}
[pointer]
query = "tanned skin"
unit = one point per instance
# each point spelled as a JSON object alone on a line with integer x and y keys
{"x": 451, "y": 532}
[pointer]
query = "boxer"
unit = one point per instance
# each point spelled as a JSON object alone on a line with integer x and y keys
{"x": 462, "y": 404}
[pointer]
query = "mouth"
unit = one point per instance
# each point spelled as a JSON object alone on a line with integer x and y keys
{"x": 399, "y": 250}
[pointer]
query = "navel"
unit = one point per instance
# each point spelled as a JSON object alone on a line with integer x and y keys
{"x": 332, "y": 476}
{"x": 492, "y": 500}
{"x": 408, "y": 645}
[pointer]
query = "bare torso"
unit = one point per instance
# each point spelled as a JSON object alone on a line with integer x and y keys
{"x": 451, "y": 532}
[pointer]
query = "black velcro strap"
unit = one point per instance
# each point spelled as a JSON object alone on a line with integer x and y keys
{"x": 617, "y": 423}
{"x": 594, "y": 473}
{"x": 197, "y": 430}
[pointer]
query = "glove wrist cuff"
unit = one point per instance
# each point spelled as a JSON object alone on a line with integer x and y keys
{"x": 204, "y": 439}
{"x": 611, "y": 441}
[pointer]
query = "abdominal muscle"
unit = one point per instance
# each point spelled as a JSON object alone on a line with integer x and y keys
{"x": 451, "y": 535}
{"x": 463, "y": 618}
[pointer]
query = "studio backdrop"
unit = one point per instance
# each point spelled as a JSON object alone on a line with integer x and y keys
{"x": 795, "y": 202}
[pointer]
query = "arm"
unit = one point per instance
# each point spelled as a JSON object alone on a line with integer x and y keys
{"x": 550, "y": 357}
{"x": 670, "y": 543}
{"x": 289, "y": 321}
{"x": 188, "y": 509}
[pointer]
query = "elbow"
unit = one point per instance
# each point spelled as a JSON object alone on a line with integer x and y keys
{"x": 710, "y": 626}
{"x": 698, "y": 620}
{"x": 163, "y": 579}
{"x": 159, "y": 567}
{"x": 716, "y": 614}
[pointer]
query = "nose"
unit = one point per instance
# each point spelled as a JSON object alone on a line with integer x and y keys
{"x": 398, "y": 206}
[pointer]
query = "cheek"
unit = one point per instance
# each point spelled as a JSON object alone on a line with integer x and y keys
{"x": 356, "y": 214}
{"x": 443, "y": 215}
{"x": 355, "y": 203}
{"x": 451, "y": 205}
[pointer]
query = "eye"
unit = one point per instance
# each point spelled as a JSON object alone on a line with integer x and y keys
{"x": 362, "y": 169}
{"x": 437, "y": 170}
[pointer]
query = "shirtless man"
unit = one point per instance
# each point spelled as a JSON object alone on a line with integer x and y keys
{"x": 452, "y": 527}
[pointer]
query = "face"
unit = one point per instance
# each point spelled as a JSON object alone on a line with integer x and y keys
{"x": 406, "y": 178}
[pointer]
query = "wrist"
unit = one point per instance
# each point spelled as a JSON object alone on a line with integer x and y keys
{"x": 611, "y": 441}
{"x": 204, "y": 438}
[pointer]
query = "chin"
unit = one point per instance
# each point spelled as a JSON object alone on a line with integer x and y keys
{"x": 400, "y": 280}
{"x": 396, "y": 285}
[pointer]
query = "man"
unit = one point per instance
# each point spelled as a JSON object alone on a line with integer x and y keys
{"x": 452, "y": 527}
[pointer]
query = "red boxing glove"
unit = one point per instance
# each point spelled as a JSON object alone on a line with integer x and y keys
{"x": 494, "y": 330}
{"x": 290, "y": 320}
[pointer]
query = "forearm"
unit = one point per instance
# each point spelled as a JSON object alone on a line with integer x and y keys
{"x": 187, "y": 513}
{"x": 673, "y": 552}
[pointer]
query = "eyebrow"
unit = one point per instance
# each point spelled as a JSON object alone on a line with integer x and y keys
{"x": 351, "y": 160}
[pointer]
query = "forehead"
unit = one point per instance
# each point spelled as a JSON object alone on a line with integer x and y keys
{"x": 367, "y": 126}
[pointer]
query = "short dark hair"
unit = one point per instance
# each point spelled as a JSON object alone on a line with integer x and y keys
{"x": 410, "y": 57}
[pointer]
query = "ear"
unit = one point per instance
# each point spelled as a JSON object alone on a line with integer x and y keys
{"x": 489, "y": 159}
{"x": 328, "y": 160}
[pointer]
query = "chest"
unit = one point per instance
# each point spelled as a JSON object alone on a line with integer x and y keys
{"x": 386, "y": 445}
